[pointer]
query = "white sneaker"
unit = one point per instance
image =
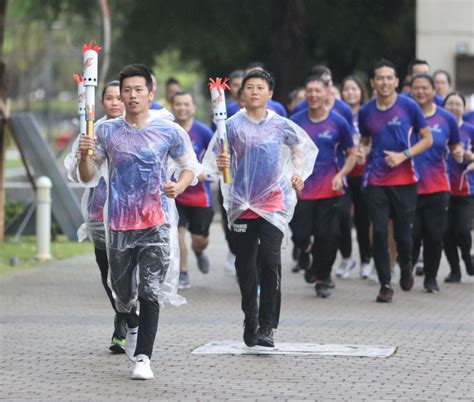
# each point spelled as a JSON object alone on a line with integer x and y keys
{"x": 229, "y": 265}
{"x": 365, "y": 270}
{"x": 142, "y": 369}
{"x": 345, "y": 268}
{"x": 131, "y": 342}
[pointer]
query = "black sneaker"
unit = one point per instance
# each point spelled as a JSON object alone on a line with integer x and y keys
{"x": 296, "y": 268}
{"x": 265, "y": 337}
{"x": 430, "y": 285}
{"x": 406, "y": 279}
{"x": 322, "y": 290}
{"x": 250, "y": 331}
{"x": 329, "y": 283}
{"x": 453, "y": 278}
{"x": 470, "y": 266}
{"x": 385, "y": 295}
{"x": 304, "y": 260}
{"x": 310, "y": 276}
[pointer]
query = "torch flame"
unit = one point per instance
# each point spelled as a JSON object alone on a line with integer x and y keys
{"x": 92, "y": 45}
{"x": 218, "y": 84}
{"x": 79, "y": 79}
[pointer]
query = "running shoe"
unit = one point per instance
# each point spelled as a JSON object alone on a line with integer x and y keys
{"x": 304, "y": 260}
{"x": 406, "y": 279}
{"x": 265, "y": 336}
{"x": 184, "y": 282}
{"x": 385, "y": 295}
{"x": 142, "y": 369}
{"x": 250, "y": 331}
{"x": 453, "y": 278}
{"x": 131, "y": 342}
{"x": 346, "y": 266}
{"x": 419, "y": 267}
{"x": 203, "y": 262}
{"x": 365, "y": 270}
{"x": 229, "y": 265}
{"x": 430, "y": 285}
{"x": 322, "y": 290}
{"x": 117, "y": 345}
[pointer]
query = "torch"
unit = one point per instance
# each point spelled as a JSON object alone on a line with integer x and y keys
{"x": 90, "y": 52}
{"x": 217, "y": 88}
{"x": 81, "y": 102}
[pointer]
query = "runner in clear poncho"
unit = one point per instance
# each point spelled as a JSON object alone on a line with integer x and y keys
{"x": 140, "y": 215}
{"x": 92, "y": 205}
{"x": 270, "y": 157}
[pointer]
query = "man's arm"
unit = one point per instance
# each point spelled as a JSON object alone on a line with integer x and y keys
{"x": 87, "y": 163}
{"x": 394, "y": 159}
{"x": 337, "y": 181}
{"x": 457, "y": 151}
{"x": 173, "y": 189}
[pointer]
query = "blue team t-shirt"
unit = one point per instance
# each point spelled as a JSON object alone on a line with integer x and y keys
{"x": 462, "y": 183}
{"x": 430, "y": 165}
{"x": 199, "y": 195}
{"x": 390, "y": 130}
{"x": 328, "y": 135}
{"x": 468, "y": 117}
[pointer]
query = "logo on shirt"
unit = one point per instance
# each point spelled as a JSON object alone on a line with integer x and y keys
{"x": 325, "y": 134}
{"x": 436, "y": 129}
{"x": 239, "y": 227}
{"x": 395, "y": 122}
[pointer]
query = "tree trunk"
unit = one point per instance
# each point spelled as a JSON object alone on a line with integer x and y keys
{"x": 107, "y": 37}
{"x": 290, "y": 42}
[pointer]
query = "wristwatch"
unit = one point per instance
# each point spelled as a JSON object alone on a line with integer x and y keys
{"x": 407, "y": 153}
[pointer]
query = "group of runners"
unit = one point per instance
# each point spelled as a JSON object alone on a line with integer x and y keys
{"x": 399, "y": 166}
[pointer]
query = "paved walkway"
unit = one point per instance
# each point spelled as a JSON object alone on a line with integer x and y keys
{"x": 55, "y": 325}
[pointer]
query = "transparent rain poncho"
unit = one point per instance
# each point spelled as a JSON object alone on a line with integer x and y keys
{"x": 264, "y": 158}
{"x": 140, "y": 221}
{"x": 93, "y": 199}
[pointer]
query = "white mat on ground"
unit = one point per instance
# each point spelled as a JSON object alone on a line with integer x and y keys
{"x": 239, "y": 348}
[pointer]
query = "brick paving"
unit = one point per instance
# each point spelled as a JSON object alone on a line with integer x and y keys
{"x": 56, "y": 322}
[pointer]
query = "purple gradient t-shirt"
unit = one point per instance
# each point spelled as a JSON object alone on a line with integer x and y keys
{"x": 328, "y": 135}
{"x": 199, "y": 195}
{"x": 462, "y": 183}
{"x": 390, "y": 130}
{"x": 430, "y": 165}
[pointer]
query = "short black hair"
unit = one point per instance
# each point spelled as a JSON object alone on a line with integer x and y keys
{"x": 136, "y": 70}
{"x": 383, "y": 63}
{"x": 455, "y": 93}
{"x": 414, "y": 62}
{"x": 319, "y": 70}
{"x": 182, "y": 93}
{"x": 318, "y": 78}
{"x": 262, "y": 74}
{"x": 171, "y": 81}
{"x": 236, "y": 74}
{"x": 443, "y": 72}
{"x": 427, "y": 77}
{"x": 114, "y": 83}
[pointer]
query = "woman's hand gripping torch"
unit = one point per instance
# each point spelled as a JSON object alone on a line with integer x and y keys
{"x": 90, "y": 52}
{"x": 217, "y": 88}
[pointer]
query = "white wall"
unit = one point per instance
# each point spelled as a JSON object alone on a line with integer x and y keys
{"x": 441, "y": 27}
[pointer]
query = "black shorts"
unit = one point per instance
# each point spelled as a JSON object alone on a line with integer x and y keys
{"x": 196, "y": 219}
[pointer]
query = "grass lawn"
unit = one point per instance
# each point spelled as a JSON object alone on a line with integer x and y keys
{"x": 13, "y": 163}
{"x": 25, "y": 251}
